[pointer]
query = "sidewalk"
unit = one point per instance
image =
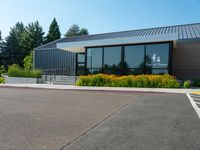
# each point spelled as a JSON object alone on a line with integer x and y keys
{"x": 73, "y": 87}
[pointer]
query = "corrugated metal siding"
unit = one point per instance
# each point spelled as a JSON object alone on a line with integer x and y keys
{"x": 188, "y": 31}
{"x": 46, "y": 59}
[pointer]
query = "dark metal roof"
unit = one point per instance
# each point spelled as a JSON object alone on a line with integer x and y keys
{"x": 187, "y": 31}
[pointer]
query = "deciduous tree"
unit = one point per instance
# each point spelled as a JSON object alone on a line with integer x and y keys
{"x": 75, "y": 30}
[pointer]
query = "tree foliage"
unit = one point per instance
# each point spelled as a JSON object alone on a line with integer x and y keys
{"x": 75, "y": 30}
{"x": 14, "y": 51}
{"x": 28, "y": 62}
{"x": 18, "y": 46}
{"x": 21, "y": 41}
{"x": 54, "y": 32}
{"x": 1, "y": 43}
{"x": 83, "y": 31}
{"x": 2, "y": 50}
{"x": 2, "y": 70}
{"x": 32, "y": 37}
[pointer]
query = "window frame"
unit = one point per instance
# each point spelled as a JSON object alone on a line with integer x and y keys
{"x": 169, "y": 68}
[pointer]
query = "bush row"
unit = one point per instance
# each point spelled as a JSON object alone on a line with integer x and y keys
{"x": 16, "y": 71}
{"x": 147, "y": 81}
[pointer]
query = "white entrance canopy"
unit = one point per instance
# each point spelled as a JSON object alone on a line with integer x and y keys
{"x": 79, "y": 46}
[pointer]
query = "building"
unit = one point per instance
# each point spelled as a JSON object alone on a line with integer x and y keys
{"x": 172, "y": 49}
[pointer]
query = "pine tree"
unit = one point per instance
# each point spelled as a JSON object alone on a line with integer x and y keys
{"x": 14, "y": 52}
{"x": 1, "y": 43}
{"x": 54, "y": 32}
{"x": 32, "y": 38}
{"x": 21, "y": 41}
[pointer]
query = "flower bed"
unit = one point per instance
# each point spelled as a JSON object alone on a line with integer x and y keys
{"x": 147, "y": 81}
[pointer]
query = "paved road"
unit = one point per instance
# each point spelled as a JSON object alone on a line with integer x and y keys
{"x": 36, "y": 119}
{"x": 151, "y": 122}
{"x": 33, "y": 119}
{"x": 195, "y": 101}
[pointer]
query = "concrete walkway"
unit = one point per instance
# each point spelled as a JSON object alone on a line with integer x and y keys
{"x": 89, "y": 88}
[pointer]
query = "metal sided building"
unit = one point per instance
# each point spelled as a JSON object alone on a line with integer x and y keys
{"x": 172, "y": 49}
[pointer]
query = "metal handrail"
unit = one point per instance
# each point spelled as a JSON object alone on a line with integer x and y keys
{"x": 59, "y": 71}
{"x": 52, "y": 73}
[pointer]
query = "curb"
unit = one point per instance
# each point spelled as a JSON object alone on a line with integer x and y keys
{"x": 96, "y": 89}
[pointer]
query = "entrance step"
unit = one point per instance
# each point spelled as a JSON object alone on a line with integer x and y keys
{"x": 64, "y": 80}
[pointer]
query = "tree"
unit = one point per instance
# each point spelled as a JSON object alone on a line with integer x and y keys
{"x": 1, "y": 49}
{"x": 75, "y": 30}
{"x": 54, "y": 32}
{"x": 32, "y": 37}
{"x": 1, "y": 43}
{"x": 14, "y": 52}
{"x": 28, "y": 62}
{"x": 21, "y": 41}
{"x": 83, "y": 31}
{"x": 2, "y": 70}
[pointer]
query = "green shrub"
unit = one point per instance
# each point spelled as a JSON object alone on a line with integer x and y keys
{"x": 2, "y": 80}
{"x": 28, "y": 61}
{"x": 2, "y": 70}
{"x": 187, "y": 84}
{"x": 197, "y": 83}
{"x": 16, "y": 71}
{"x": 148, "y": 81}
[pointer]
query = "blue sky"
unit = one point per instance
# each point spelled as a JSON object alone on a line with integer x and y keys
{"x": 99, "y": 16}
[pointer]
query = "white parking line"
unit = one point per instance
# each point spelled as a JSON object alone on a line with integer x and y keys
{"x": 195, "y": 96}
{"x": 197, "y": 103}
{"x": 196, "y": 108}
{"x": 197, "y": 99}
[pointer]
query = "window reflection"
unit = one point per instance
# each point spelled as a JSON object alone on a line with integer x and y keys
{"x": 157, "y": 55}
{"x": 80, "y": 70}
{"x": 81, "y": 57}
{"x": 94, "y": 57}
{"x": 94, "y": 71}
{"x": 134, "y": 56}
{"x": 134, "y": 59}
{"x": 112, "y": 60}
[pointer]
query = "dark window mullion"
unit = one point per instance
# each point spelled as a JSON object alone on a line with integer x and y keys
{"x": 102, "y": 60}
{"x": 122, "y": 60}
{"x": 145, "y": 53}
{"x": 170, "y": 58}
{"x": 85, "y": 68}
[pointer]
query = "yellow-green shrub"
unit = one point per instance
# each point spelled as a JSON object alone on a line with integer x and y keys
{"x": 2, "y": 80}
{"x": 148, "y": 81}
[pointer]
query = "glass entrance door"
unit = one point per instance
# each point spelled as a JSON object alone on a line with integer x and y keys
{"x": 80, "y": 64}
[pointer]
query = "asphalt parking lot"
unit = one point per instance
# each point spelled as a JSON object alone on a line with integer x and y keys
{"x": 35, "y": 119}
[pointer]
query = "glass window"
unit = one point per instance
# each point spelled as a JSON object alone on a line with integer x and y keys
{"x": 136, "y": 71}
{"x": 157, "y": 55}
{"x": 81, "y": 57}
{"x": 112, "y": 60}
{"x": 94, "y": 71}
{"x": 157, "y": 71}
{"x": 94, "y": 57}
{"x": 80, "y": 69}
{"x": 134, "y": 56}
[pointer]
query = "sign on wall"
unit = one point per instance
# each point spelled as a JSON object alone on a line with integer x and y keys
{"x": 156, "y": 61}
